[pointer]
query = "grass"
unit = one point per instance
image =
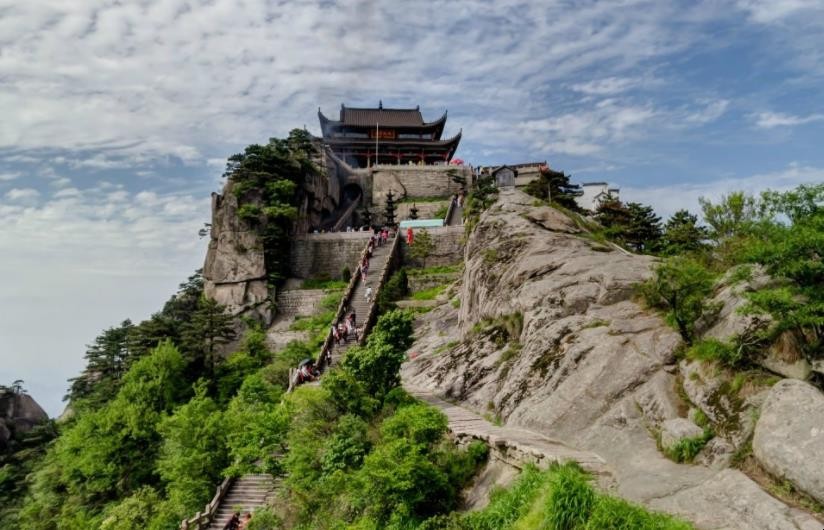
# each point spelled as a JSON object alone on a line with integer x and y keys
{"x": 429, "y": 294}
{"x": 714, "y": 350}
{"x": 597, "y": 323}
{"x": 323, "y": 283}
{"x": 436, "y": 269}
{"x": 687, "y": 449}
{"x": 561, "y": 498}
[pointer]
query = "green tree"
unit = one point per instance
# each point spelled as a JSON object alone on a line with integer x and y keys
{"x": 613, "y": 215}
{"x": 643, "y": 232}
{"x": 106, "y": 361}
{"x": 422, "y": 246}
{"x": 209, "y": 328}
{"x": 681, "y": 286}
{"x": 733, "y": 216}
{"x": 682, "y": 234}
{"x": 555, "y": 186}
{"x": 268, "y": 183}
{"x": 193, "y": 453}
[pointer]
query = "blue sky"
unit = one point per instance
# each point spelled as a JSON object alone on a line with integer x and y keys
{"x": 117, "y": 118}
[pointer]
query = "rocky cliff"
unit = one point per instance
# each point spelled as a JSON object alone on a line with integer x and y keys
{"x": 549, "y": 337}
{"x": 19, "y": 413}
{"x": 235, "y": 271}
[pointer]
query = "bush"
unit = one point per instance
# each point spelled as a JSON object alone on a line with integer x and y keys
{"x": 715, "y": 350}
{"x": 680, "y": 286}
{"x": 346, "y": 275}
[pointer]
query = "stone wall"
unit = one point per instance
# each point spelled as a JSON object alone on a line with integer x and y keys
{"x": 325, "y": 255}
{"x": 299, "y": 302}
{"x": 426, "y": 210}
{"x": 449, "y": 247}
{"x": 415, "y": 181}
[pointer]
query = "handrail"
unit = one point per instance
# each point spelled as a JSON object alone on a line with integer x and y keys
{"x": 203, "y": 519}
{"x": 449, "y": 211}
{"x": 320, "y": 362}
{"x": 387, "y": 270}
{"x": 346, "y": 213}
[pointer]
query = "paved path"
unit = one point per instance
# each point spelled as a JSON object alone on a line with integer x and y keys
{"x": 516, "y": 446}
{"x": 456, "y": 216}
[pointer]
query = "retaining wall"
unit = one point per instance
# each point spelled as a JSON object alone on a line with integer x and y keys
{"x": 325, "y": 255}
{"x": 449, "y": 247}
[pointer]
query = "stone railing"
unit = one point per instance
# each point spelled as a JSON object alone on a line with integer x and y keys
{"x": 203, "y": 519}
{"x": 447, "y": 219}
{"x": 392, "y": 258}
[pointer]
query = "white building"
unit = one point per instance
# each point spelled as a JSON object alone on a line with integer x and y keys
{"x": 592, "y": 193}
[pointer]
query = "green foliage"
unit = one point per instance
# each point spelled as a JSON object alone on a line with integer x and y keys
{"x": 94, "y": 461}
{"x": 570, "y": 500}
{"x": 208, "y": 329}
{"x": 735, "y": 214}
{"x": 681, "y": 287}
{"x": 135, "y": 512}
{"x": 687, "y": 448}
{"x": 632, "y": 224}
{"x": 682, "y": 234}
{"x": 441, "y": 212}
{"x": 267, "y": 182}
{"x": 22, "y": 454}
{"x": 325, "y": 283}
{"x": 715, "y": 350}
{"x": 479, "y": 199}
{"x": 264, "y": 519}
{"x": 348, "y": 445}
{"x": 252, "y": 356}
{"x": 558, "y": 498}
{"x": 430, "y": 293}
{"x": 345, "y": 276}
{"x": 422, "y": 246}
{"x": 436, "y": 269}
{"x": 193, "y": 453}
{"x": 395, "y": 288}
{"x": 555, "y": 186}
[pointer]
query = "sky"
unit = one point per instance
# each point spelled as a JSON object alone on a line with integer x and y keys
{"x": 116, "y": 118}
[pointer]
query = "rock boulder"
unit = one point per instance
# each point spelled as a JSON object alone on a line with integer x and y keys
{"x": 789, "y": 436}
{"x": 677, "y": 429}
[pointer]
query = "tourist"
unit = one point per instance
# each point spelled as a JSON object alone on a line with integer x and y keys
{"x": 353, "y": 318}
{"x": 410, "y": 236}
{"x": 460, "y": 199}
{"x": 335, "y": 334}
{"x": 368, "y": 294}
{"x": 343, "y": 332}
{"x": 245, "y": 523}
{"x": 233, "y": 523}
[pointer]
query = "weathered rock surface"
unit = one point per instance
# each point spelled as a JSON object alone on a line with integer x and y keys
{"x": 789, "y": 436}
{"x": 235, "y": 272}
{"x": 677, "y": 429}
{"x": 589, "y": 368}
{"x": 19, "y": 413}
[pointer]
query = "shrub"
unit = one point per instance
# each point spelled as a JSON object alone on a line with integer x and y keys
{"x": 346, "y": 275}
{"x": 681, "y": 287}
{"x": 394, "y": 289}
{"x": 714, "y": 350}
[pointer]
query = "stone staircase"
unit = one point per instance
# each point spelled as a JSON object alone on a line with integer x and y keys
{"x": 455, "y": 216}
{"x": 377, "y": 265}
{"x": 245, "y": 495}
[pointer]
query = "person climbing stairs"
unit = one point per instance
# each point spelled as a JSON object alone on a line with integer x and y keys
{"x": 245, "y": 495}
{"x": 359, "y": 302}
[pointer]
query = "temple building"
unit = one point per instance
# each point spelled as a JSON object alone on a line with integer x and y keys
{"x": 364, "y": 137}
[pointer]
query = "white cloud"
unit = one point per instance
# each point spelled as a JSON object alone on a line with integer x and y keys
{"x": 770, "y": 11}
{"x": 607, "y": 86}
{"x": 22, "y": 194}
{"x": 769, "y": 120}
{"x": 7, "y": 177}
{"x": 61, "y": 182}
{"x": 712, "y": 111}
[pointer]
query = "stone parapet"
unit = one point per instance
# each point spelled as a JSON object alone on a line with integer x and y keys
{"x": 325, "y": 255}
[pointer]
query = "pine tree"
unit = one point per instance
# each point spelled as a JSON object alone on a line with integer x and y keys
{"x": 107, "y": 359}
{"x": 209, "y": 328}
{"x": 555, "y": 186}
{"x": 682, "y": 234}
{"x": 644, "y": 230}
{"x": 389, "y": 211}
{"x": 613, "y": 215}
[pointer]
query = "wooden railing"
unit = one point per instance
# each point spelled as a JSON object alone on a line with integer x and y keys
{"x": 394, "y": 255}
{"x": 203, "y": 519}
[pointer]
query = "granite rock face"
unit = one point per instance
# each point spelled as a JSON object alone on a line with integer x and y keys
{"x": 789, "y": 436}
{"x": 235, "y": 271}
{"x": 19, "y": 413}
{"x": 549, "y": 337}
{"x": 677, "y": 429}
